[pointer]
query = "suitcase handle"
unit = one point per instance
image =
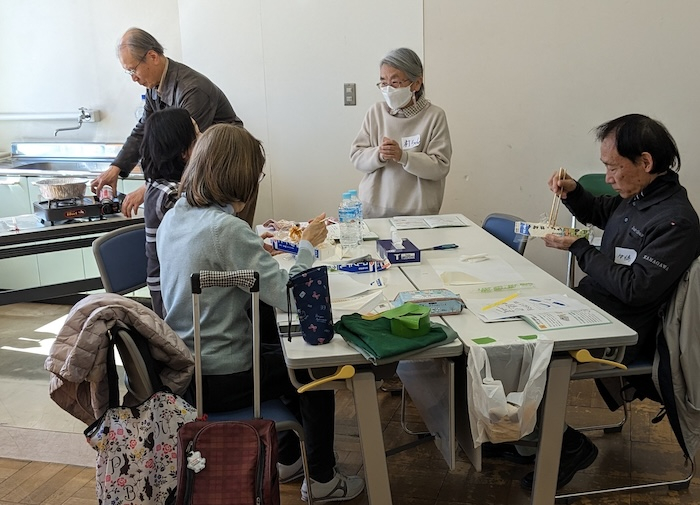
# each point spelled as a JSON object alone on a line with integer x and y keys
{"x": 239, "y": 278}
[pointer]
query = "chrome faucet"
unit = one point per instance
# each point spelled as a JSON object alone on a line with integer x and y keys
{"x": 84, "y": 116}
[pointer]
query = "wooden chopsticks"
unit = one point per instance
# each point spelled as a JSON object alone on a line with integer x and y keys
{"x": 554, "y": 211}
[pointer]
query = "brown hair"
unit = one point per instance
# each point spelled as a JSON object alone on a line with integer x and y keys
{"x": 224, "y": 167}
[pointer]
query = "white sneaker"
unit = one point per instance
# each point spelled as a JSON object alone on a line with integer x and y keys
{"x": 289, "y": 473}
{"x": 339, "y": 488}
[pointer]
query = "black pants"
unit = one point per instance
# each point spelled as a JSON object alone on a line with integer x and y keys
{"x": 314, "y": 409}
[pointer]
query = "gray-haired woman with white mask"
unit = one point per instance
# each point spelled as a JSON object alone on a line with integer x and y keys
{"x": 403, "y": 147}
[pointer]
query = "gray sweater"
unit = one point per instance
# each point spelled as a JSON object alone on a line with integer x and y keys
{"x": 191, "y": 239}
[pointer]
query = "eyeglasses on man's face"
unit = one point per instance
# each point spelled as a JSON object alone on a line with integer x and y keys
{"x": 393, "y": 84}
{"x": 131, "y": 72}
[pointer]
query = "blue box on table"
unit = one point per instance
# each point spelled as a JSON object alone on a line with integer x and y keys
{"x": 409, "y": 254}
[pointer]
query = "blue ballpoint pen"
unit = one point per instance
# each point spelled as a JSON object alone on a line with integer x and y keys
{"x": 441, "y": 247}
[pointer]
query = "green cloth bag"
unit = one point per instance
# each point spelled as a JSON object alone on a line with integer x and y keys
{"x": 374, "y": 340}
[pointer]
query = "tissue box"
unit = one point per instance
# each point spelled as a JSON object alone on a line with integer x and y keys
{"x": 441, "y": 302}
{"x": 409, "y": 254}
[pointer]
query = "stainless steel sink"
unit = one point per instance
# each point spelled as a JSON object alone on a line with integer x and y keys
{"x": 63, "y": 166}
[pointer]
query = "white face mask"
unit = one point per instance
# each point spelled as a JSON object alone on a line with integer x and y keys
{"x": 397, "y": 97}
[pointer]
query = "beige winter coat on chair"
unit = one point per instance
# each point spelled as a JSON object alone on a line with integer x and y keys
{"x": 78, "y": 357}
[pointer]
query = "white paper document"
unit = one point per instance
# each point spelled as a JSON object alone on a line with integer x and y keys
{"x": 418, "y": 222}
{"x": 489, "y": 269}
{"x": 544, "y": 312}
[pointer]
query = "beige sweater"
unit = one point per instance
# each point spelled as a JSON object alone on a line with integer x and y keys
{"x": 416, "y": 186}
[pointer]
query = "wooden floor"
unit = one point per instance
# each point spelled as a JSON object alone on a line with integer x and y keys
{"x": 642, "y": 452}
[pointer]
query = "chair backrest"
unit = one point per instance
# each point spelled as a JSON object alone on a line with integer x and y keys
{"x": 502, "y": 226}
{"x": 141, "y": 371}
{"x": 121, "y": 259}
{"x": 596, "y": 185}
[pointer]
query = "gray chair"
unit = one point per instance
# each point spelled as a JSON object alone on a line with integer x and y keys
{"x": 597, "y": 372}
{"x": 502, "y": 226}
{"x": 678, "y": 305}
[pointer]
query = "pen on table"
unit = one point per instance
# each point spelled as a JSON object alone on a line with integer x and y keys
{"x": 499, "y": 302}
{"x": 441, "y": 247}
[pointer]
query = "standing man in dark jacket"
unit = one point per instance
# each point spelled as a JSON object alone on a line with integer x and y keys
{"x": 652, "y": 235}
{"x": 169, "y": 84}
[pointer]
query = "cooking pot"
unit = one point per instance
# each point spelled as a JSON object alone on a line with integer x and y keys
{"x": 61, "y": 188}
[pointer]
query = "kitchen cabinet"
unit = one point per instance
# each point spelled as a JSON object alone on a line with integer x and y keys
{"x": 21, "y": 272}
{"x": 14, "y": 196}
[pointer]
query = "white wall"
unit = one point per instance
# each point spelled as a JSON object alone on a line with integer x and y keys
{"x": 523, "y": 84}
{"x": 59, "y": 55}
{"x": 283, "y": 65}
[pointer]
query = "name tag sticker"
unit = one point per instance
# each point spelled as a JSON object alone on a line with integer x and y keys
{"x": 410, "y": 142}
{"x": 624, "y": 256}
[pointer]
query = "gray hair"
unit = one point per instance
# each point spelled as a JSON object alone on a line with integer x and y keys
{"x": 408, "y": 62}
{"x": 139, "y": 42}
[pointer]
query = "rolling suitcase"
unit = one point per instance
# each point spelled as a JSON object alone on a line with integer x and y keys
{"x": 228, "y": 462}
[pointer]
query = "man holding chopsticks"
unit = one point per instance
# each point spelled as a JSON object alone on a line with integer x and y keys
{"x": 652, "y": 235}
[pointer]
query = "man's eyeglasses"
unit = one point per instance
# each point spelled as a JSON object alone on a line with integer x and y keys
{"x": 132, "y": 71}
{"x": 393, "y": 84}
{"x": 261, "y": 177}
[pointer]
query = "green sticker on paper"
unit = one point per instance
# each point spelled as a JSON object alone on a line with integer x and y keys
{"x": 483, "y": 340}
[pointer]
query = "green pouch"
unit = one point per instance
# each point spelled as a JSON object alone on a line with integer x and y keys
{"x": 375, "y": 340}
{"x": 408, "y": 320}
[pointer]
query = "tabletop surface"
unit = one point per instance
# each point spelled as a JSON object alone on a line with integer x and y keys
{"x": 472, "y": 240}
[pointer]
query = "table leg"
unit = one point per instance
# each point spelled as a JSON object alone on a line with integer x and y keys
{"x": 544, "y": 487}
{"x": 371, "y": 439}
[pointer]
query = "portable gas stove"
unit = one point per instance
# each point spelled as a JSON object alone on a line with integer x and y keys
{"x": 61, "y": 211}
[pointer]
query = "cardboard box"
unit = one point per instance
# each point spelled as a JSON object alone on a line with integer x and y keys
{"x": 409, "y": 254}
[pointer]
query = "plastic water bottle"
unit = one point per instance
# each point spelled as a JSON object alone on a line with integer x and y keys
{"x": 358, "y": 210}
{"x": 348, "y": 224}
{"x": 138, "y": 113}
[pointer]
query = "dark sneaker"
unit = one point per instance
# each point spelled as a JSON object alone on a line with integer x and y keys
{"x": 577, "y": 453}
{"x": 506, "y": 451}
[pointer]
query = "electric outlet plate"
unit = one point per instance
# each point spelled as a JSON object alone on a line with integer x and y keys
{"x": 349, "y": 95}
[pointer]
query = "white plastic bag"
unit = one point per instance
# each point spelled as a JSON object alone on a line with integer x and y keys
{"x": 505, "y": 385}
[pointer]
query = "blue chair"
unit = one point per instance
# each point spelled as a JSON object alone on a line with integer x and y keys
{"x": 121, "y": 258}
{"x": 502, "y": 226}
